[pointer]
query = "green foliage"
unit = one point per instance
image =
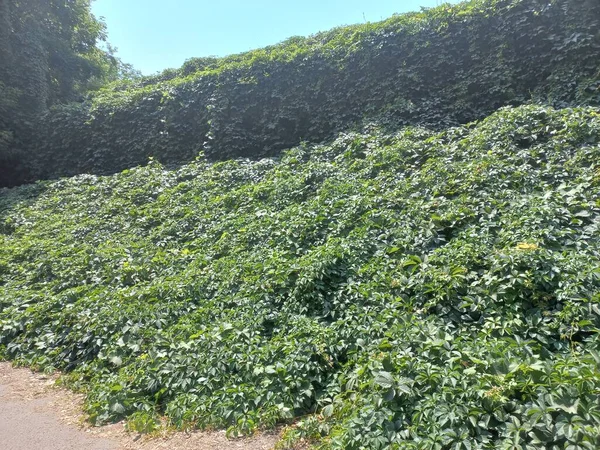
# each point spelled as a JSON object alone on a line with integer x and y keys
{"x": 409, "y": 290}
{"x": 143, "y": 422}
{"x": 48, "y": 56}
{"x": 439, "y": 67}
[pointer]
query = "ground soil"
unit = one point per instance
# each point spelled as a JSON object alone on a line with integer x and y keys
{"x": 37, "y": 415}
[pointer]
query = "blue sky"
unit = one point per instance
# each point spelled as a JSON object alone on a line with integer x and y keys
{"x": 156, "y": 34}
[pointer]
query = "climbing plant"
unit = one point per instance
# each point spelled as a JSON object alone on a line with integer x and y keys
{"x": 416, "y": 289}
{"x": 440, "y": 67}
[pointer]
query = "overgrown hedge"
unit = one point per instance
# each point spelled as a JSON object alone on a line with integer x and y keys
{"x": 438, "y": 67}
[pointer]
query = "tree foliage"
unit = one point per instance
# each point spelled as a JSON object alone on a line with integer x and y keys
{"x": 49, "y": 55}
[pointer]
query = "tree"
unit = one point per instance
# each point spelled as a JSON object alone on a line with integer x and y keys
{"x": 49, "y": 54}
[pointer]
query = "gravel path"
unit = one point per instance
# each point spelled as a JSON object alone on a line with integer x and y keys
{"x": 35, "y": 415}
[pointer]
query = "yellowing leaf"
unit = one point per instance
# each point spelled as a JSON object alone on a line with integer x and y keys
{"x": 526, "y": 246}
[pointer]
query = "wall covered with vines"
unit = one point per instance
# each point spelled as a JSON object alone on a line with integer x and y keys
{"x": 439, "y": 67}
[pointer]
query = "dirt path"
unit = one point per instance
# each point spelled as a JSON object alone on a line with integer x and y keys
{"x": 35, "y": 415}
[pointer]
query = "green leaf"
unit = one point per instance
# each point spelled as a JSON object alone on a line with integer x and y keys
{"x": 116, "y": 360}
{"x": 384, "y": 379}
{"x": 389, "y": 395}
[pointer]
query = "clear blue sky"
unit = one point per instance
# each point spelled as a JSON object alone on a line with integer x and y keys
{"x": 157, "y": 34}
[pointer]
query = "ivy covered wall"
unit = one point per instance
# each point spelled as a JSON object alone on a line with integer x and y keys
{"x": 439, "y": 67}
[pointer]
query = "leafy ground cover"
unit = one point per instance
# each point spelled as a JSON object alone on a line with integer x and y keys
{"x": 414, "y": 290}
{"x": 437, "y": 68}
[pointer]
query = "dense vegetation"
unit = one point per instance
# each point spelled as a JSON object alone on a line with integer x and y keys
{"x": 414, "y": 263}
{"x": 409, "y": 290}
{"x": 48, "y": 56}
{"x": 439, "y": 67}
